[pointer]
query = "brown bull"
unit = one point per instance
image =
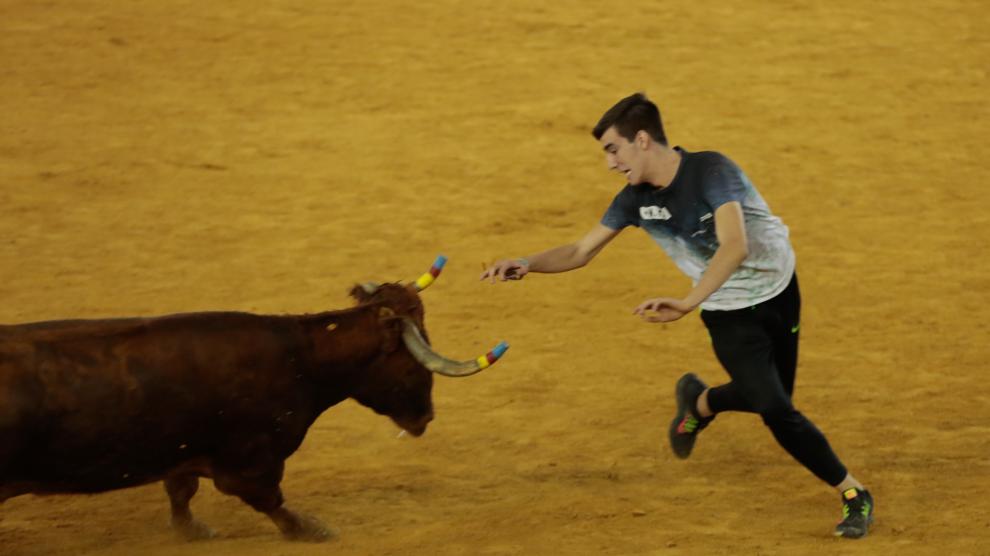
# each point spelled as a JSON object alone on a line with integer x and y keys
{"x": 94, "y": 405}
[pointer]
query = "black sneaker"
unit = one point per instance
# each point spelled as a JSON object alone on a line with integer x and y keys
{"x": 857, "y": 514}
{"x": 686, "y": 425}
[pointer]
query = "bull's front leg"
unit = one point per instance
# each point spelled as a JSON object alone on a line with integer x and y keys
{"x": 181, "y": 488}
{"x": 260, "y": 490}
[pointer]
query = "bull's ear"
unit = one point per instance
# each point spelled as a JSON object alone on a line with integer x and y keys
{"x": 358, "y": 294}
{"x": 363, "y": 292}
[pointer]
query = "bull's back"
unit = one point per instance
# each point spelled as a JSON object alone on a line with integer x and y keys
{"x": 95, "y": 405}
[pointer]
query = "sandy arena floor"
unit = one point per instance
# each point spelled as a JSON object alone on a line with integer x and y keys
{"x": 160, "y": 157}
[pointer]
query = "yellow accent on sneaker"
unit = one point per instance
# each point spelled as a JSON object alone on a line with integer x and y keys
{"x": 849, "y": 494}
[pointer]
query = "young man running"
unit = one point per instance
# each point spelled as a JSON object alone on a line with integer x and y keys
{"x": 704, "y": 212}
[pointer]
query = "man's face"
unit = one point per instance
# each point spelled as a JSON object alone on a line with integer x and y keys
{"x": 623, "y": 156}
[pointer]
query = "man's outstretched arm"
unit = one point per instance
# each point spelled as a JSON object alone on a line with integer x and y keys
{"x": 559, "y": 259}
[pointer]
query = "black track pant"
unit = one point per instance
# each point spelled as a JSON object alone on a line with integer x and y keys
{"x": 758, "y": 346}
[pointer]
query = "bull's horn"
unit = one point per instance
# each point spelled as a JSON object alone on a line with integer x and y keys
{"x": 439, "y": 364}
{"x": 427, "y": 278}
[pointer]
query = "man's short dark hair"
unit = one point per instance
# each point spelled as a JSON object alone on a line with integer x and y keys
{"x": 629, "y": 116}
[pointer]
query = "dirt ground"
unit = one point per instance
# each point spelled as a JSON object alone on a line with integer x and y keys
{"x": 171, "y": 156}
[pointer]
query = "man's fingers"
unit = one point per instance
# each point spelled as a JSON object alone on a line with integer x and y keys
{"x": 643, "y": 307}
{"x": 505, "y": 272}
{"x": 655, "y": 318}
{"x": 501, "y": 271}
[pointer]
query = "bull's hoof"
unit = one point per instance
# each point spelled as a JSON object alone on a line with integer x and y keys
{"x": 193, "y": 530}
{"x": 308, "y": 529}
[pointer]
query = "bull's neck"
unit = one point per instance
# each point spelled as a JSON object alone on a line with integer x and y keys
{"x": 345, "y": 343}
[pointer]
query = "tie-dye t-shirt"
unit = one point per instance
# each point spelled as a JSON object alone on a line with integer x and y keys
{"x": 681, "y": 219}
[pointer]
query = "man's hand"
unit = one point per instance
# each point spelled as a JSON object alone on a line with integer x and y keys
{"x": 664, "y": 309}
{"x": 509, "y": 269}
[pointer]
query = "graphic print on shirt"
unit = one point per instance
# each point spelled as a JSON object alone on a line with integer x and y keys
{"x": 654, "y": 213}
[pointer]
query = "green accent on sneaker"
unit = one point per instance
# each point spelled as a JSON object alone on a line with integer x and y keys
{"x": 690, "y": 424}
{"x": 795, "y": 328}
